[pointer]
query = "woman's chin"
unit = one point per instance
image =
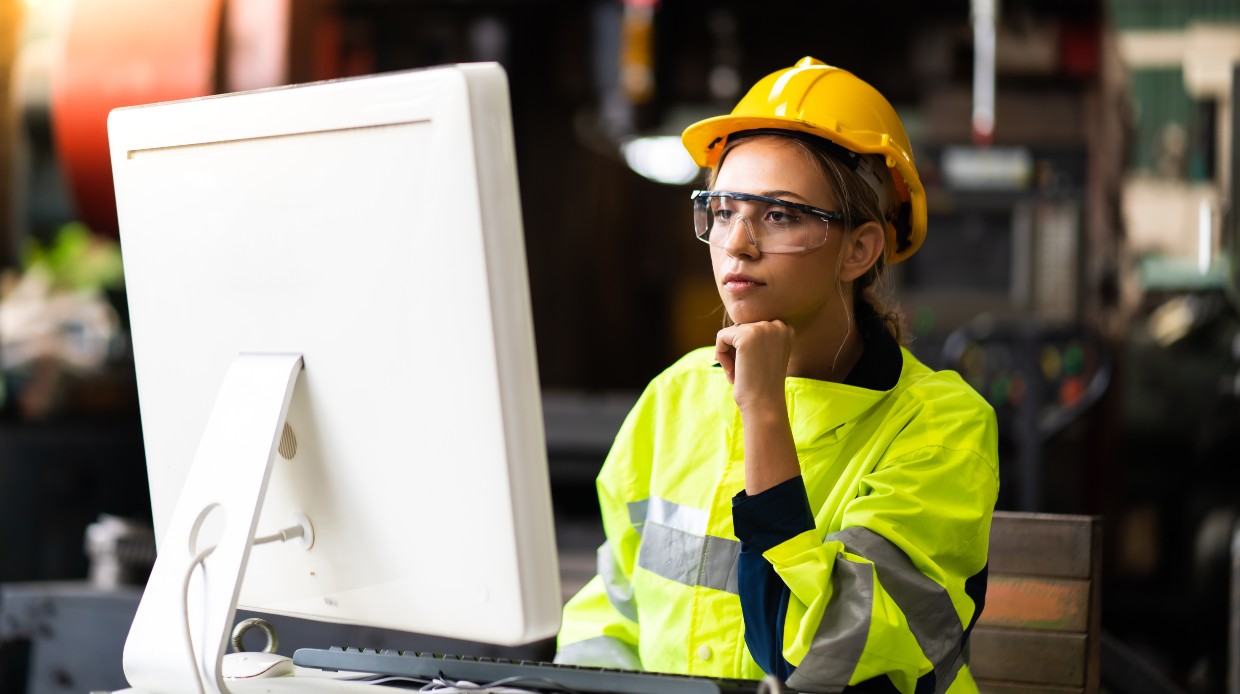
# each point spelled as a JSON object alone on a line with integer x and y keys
{"x": 743, "y": 317}
{"x": 749, "y": 310}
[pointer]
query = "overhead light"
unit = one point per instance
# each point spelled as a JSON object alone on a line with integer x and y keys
{"x": 660, "y": 158}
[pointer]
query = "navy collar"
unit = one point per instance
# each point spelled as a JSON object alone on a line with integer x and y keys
{"x": 880, "y": 363}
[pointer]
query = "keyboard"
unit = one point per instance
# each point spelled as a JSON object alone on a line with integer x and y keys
{"x": 515, "y": 673}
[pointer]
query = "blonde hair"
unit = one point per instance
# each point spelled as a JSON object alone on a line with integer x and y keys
{"x": 859, "y": 204}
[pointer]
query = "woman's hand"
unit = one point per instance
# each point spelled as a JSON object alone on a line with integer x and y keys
{"x": 755, "y": 358}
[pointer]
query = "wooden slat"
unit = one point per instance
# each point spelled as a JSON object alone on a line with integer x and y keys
{"x": 1016, "y": 655}
{"x": 1037, "y": 603}
{"x": 1040, "y": 544}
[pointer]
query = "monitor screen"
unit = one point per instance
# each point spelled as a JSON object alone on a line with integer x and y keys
{"x": 332, "y": 332}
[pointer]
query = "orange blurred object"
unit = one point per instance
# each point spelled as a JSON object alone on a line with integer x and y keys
{"x": 122, "y": 53}
{"x": 1071, "y": 390}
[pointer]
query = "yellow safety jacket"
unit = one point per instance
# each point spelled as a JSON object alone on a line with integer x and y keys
{"x": 901, "y": 485}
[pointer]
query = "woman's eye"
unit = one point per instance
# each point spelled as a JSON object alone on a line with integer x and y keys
{"x": 780, "y": 216}
{"x": 723, "y": 215}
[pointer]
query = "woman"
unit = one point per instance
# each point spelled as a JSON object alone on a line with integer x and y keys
{"x": 805, "y": 499}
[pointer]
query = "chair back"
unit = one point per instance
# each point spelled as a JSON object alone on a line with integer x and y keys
{"x": 1040, "y": 629}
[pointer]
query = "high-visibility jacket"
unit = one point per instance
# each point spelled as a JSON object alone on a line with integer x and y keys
{"x": 884, "y": 588}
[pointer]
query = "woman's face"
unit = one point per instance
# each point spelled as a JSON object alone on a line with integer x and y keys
{"x": 799, "y": 289}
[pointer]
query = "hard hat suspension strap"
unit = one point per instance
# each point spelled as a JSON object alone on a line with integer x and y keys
{"x": 844, "y": 155}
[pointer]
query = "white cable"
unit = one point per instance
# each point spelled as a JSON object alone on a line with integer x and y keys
{"x": 198, "y": 560}
{"x": 441, "y": 685}
{"x": 292, "y": 532}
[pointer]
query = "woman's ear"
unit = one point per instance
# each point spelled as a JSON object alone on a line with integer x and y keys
{"x": 864, "y": 248}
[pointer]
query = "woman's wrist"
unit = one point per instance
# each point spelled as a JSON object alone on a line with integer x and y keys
{"x": 771, "y": 409}
{"x": 770, "y": 452}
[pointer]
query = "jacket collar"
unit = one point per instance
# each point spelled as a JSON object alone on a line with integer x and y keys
{"x": 818, "y": 407}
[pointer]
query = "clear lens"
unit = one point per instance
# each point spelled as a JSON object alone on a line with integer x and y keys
{"x": 771, "y": 226}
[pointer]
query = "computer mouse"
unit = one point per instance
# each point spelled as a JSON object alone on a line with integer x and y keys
{"x": 255, "y": 664}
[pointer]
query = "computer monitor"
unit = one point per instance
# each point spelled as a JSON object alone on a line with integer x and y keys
{"x": 332, "y": 331}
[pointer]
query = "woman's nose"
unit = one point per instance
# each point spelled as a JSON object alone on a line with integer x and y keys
{"x": 740, "y": 240}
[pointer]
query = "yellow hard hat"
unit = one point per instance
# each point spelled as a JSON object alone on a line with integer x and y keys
{"x": 833, "y": 104}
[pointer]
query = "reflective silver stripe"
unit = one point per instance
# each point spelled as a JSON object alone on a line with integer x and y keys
{"x": 931, "y": 615}
{"x": 619, "y": 590}
{"x": 840, "y": 640}
{"x": 686, "y": 518}
{"x": 637, "y": 514}
{"x": 600, "y": 651}
{"x": 693, "y": 560}
{"x": 719, "y": 565}
{"x": 671, "y": 553}
{"x": 952, "y": 671}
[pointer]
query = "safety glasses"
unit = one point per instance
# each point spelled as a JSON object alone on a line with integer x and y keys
{"x": 772, "y": 225}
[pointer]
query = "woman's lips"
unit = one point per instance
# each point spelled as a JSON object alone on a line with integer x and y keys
{"x": 735, "y": 282}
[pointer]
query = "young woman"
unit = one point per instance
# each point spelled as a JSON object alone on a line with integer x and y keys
{"x": 804, "y": 499}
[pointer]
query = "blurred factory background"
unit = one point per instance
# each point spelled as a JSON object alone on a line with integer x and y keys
{"x": 1080, "y": 269}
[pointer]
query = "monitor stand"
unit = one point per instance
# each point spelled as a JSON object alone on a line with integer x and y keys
{"x": 224, "y": 489}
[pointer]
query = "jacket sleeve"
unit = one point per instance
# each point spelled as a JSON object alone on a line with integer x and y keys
{"x": 763, "y": 521}
{"x": 600, "y": 624}
{"x": 888, "y": 600}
